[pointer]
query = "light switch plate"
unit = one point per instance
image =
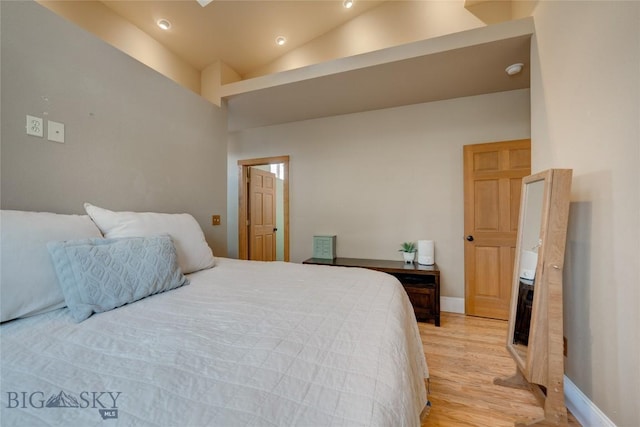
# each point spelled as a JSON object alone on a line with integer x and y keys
{"x": 55, "y": 131}
{"x": 35, "y": 126}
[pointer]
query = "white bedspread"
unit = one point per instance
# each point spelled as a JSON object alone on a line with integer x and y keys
{"x": 245, "y": 344}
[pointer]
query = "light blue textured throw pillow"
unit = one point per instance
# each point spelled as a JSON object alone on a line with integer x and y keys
{"x": 98, "y": 275}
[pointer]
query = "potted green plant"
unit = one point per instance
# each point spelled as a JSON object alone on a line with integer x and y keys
{"x": 408, "y": 250}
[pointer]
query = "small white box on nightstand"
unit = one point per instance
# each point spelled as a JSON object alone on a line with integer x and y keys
{"x": 324, "y": 247}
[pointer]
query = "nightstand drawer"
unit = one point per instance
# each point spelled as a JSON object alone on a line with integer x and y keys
{"x": 423, "y": 292}
{"x": 413, "y": 280}
{"x": 423, "y": 301}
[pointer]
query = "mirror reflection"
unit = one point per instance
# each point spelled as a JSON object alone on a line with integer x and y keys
{"x": 528, "y": 260}
{"x": 532, "y": 223}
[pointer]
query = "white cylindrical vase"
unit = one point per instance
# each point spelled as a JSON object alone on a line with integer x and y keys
{"x": 426, "y": 252}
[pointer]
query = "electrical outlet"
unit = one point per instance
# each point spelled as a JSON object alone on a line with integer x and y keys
{"x": 35, "y": 126}
{"x": 215, "y": 219}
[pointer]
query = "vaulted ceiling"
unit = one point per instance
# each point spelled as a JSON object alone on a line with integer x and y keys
{"x": 240, "y": 33}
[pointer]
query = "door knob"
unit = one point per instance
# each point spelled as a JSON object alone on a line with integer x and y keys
{"x": 469, "y": 238}
{"x": 275, "y": 229}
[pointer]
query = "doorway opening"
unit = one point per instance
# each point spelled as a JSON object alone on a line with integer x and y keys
{"x": 262, "y": 235}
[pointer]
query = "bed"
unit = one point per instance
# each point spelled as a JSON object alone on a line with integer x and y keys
{"x": 239, "y": 343}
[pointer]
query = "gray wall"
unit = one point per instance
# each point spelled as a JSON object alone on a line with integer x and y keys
{"x": 135, "y": 140}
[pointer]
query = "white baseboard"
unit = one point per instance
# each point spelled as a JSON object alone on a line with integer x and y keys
{"x": 452, "y": 304}
{"x": 585, "y": 411}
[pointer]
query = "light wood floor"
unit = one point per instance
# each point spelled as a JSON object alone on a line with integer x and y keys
{"x": 464, "y": 355}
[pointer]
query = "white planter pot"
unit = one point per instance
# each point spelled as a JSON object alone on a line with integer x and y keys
{"x": 409, "y": 256}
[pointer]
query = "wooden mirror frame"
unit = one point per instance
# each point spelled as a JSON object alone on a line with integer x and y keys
{"x": 540, "y": 363}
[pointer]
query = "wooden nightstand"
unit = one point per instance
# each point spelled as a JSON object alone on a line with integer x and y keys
{"x": 421, "y": 282}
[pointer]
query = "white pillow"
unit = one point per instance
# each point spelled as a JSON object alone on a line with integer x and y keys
{"x": 28, "y": 282}
{"x": 193, "y": 252}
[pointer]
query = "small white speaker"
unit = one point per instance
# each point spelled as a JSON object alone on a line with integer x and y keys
{"x": 426, "y": 252}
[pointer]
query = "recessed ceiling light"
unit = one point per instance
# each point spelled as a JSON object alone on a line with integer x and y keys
{"x": 280, "y": 40}
{"x": 348, "y": 4}
{"x": 164, "y": 24}
{"x": 514, "y": 69}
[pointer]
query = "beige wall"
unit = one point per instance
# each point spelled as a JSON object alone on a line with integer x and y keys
{"x": 585, "y": 96}
{"x": 134, "y": 140}
{"x": 380, "y": 178}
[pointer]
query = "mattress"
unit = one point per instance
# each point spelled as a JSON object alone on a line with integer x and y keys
{"x": 245, "y": 344}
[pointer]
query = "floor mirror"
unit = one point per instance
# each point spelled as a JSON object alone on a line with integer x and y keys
{"x": 535, "y": 334}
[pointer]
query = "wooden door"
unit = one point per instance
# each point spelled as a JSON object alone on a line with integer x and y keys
{"x": 493, "y": 175}
{"x": 244, "y": 197}
{"x": 262, "y": 217}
